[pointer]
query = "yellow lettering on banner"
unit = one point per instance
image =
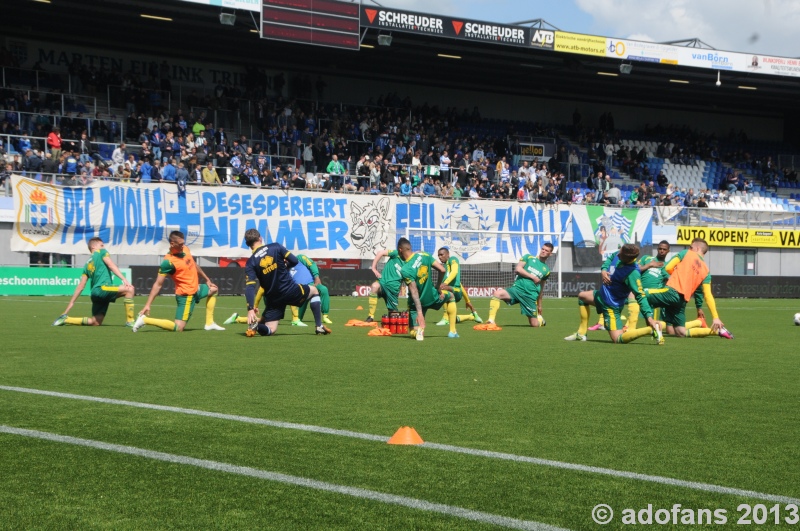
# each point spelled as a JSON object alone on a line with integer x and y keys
{"x": 776, "y": 239}
{"x": 580, "y": 44}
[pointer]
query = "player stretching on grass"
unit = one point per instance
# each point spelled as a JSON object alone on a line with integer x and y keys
{"x": 388, "y": 284}
{"x": 422, "y": 292}
{"x": 452, "y": 282}
{"x": 532, "y": 272}
{"x": 268, "y": 267}
{"x": 181, "y": 266}
{"x": 610, "y": 298}
{"x": 305, "y": 272}
{"x": 689, "y": 277}
{"x": 99, "y": 269}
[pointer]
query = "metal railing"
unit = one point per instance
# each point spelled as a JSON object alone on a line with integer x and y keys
{"x": 66, "y": 102}
{"x": 27, "y": 121}
{"x": 726, "y": 217}
{"x": 40, "y": 143}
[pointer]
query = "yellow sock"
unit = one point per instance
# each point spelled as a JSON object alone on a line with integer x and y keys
{"x": 161, "y": 323}
{"x": 129, "y": 317}
{"x": 211, "y": 303}
{"x": 295, "y": 313}
{"x": 373, "y": 305}
{"x": 700, "y": 332}
{"x": 694, "y": 324}
{"x": 600, "y": 321}
{"x": 468, "y": 317}
{"x": 584, "y": 326}
{"x": 494, "y": 305}
{"x": 259, "y": 296}
{"x": 540, "y": 319}
{"x": 635, "y": 333}
{"x": 450, "y": 309}
{"x": 633, "y": 315}
{"x": 241, "y": 320}
{"x": 77, "y": 321}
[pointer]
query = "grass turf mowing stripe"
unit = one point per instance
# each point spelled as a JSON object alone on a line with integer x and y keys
{"x": 412, "y": 503}
{"x": 693, "y": 485}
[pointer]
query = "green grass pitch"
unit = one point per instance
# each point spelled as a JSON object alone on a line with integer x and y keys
{"x": 705, "y": 410}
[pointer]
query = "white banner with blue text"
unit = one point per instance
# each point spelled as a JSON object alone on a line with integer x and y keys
{"x": 136, "y": 220}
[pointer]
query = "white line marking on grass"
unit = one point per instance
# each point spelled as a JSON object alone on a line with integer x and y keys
{"x": 200, "y": 413}
{"x": 694, "y": 485}
{"x": 392, "y": 499}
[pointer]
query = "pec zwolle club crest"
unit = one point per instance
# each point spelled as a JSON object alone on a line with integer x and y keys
{"x": 463, "y": 225}
{"x": 38, "y": 217}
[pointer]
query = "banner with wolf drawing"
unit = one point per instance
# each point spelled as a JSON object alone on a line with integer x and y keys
{"x": 136, "y": 220}
{"x": 608, "y": 228}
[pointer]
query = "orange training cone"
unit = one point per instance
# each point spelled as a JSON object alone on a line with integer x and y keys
{"x": 406, "y": 435}
{"x": 359, "y": 307}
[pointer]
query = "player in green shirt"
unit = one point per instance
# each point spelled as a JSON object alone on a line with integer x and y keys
{"x": 388, "y": 284}
{"x": 417, "y": 273}
{"x": 532, "y": 272}
{"x": 654, "y": 276}
{"x": 688, "y": 277}
{"x": 99, "y": 269}
{"x": 452, "y": 282}
{"x": 324, "y": 295}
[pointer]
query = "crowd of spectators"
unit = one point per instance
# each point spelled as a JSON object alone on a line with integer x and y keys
{"x": 387, "y": 146}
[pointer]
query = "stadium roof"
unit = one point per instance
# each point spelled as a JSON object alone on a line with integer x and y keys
{"x": 195, "y": 32}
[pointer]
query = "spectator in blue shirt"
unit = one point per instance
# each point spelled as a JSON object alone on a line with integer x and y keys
{"x": 168, "y": 173}
{"x": 428, "y": 188}
{"x": 405, "y": 188}
{"x": 145, "y": 171}
{"x": 71, "y": 164}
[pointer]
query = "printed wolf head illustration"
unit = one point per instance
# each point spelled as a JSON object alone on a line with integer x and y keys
{"x": 368, "y": 233}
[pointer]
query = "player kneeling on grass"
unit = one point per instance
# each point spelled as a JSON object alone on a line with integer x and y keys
{"x": 388, "y": 283}
{"x": 610, "y": 299}
{"x": 99, "y": 269}
{"x": 532, "y": 272}
{"x": 418, "y": 275}
{"x": 688, "y": 277}
{"x": 305, "y": 272}
{"x": 180, "y": 265}
{"x": 268, "y": 267}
